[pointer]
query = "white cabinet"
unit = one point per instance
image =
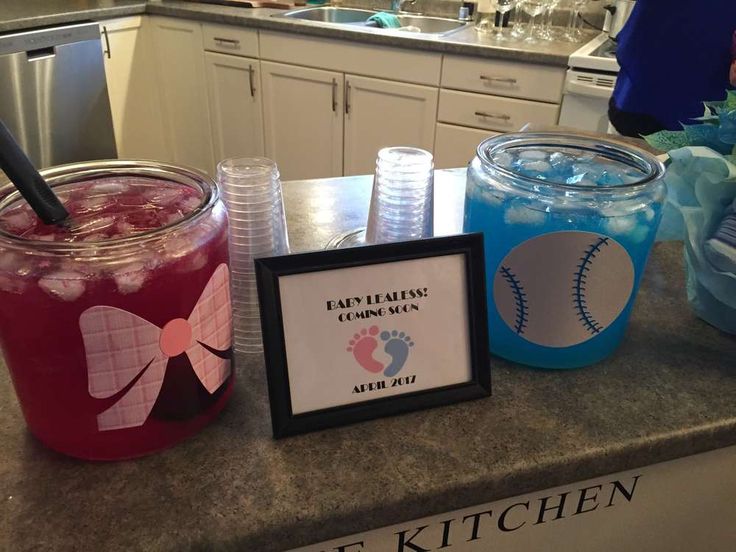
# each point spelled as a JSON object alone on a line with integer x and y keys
{"x": 131, "y": 85}
{"x": 379, "y": 97}
{"x": 181, "y": 78}
{"x": 235, "y": 106}
{"x": 455, "y": 145}
{"x": 306, "y": 110}
{"x": 303, "y": 120}
{"x": 381, "y": 113}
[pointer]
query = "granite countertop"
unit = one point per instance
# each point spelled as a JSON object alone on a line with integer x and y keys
{"x": 17, "y": 15}
{"x": 669, "y": 391}
{"x": 22, "y": 14}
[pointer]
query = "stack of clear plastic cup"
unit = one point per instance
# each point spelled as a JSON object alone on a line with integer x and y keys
{"x": 251, "y": 190}
{"x": 402, "y": 200}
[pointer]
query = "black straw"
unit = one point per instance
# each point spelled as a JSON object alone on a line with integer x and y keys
{"x": 31, "y": 185}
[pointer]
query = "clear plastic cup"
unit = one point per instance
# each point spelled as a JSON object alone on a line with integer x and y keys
{"x": 251, "y": 190}
{"x": 402, "y": 199}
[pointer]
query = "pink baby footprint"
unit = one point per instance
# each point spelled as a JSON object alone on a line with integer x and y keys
{"x": 362, "y": 346}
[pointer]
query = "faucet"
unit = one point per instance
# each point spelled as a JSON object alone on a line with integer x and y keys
{"x": 397, "y": 6}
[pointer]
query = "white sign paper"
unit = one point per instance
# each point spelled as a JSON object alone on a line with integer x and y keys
{"x": 362, "y": 333}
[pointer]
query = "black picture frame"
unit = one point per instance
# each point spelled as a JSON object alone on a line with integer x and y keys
{"x": 270, "y": 269}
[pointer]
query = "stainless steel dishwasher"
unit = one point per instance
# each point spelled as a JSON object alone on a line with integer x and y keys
{"x": 53, "y": 94}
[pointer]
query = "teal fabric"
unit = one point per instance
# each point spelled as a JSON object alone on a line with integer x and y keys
{"x": 702, "y": 184}
{"x": 385, "y": 20}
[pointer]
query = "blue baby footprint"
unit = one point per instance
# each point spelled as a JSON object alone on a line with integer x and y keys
{"x": 397, "y": 347}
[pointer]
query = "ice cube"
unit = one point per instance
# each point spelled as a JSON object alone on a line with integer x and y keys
{"x": 487, "y": 195}
{"x": 521, "y": 214}
{"x": 559, "y": 159}
{"x": 131, "y": 278}
{"x": 19, "y": 221}
{"x": 109, "y": 187}
{"x": 41, "y": 237}
{"x": 581, "y": 180}
{"x": 535, "y": 155}
{"x": 616, "y": 210}
{"x": 122, "y": 228}
{"x": 648, "y": 214}
{"x": 619, "y": 225}
{"x": 8, "y": 261}
{"x": 503, "y": 159}
{"x": 15, "y": 263}
{"x": 610, "y": 178}
{"x": 12, "y": 284}
{"x": 95, "y": 224}
{"x": 162, "y": 196}
{"x": 585, "y": 158}
{"x": 189, "y": 204}
{"x": 96, "y": 237}
{"x": 64, "y": 285}
{"x": 89, "y": 204}
{"x": 193, "y": 262}
{"x": 171, "y": 217}
{"x": 639, "y": 234}
{"x": 176, "y": 248}
{"x": 591, "y": 170}
{"x": 533, "y": 168}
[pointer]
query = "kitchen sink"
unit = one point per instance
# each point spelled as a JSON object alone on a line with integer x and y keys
{"x": 355, "y": 17}
{"x": 329, "y": 15}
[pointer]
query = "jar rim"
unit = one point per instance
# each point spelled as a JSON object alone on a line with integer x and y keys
{"x": 619, "y": 151}
{"x": 89, "y": 170}
{"x": 248, "y": 167}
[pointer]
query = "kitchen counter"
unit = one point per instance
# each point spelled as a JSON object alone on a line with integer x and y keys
{"x": 21, "y": 14}
{"x": 17, "y": 15}
{"x": 668, "y": 392}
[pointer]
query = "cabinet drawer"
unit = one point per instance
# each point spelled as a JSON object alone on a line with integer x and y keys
{"x": 455, "y": 146}
{"x": 504, "y": 78}
{"x": 230, "y": 40}
{"x": 493, "y": 112}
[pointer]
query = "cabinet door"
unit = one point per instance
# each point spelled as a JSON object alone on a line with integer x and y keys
{"x": 455, "y": 145}
{"x": 235, "y": 106}
{"x": 181, "y": 77}
{"x": 302, "y": 113}
{"x": 136, "y": 113}
{"x": 382, "y": 113}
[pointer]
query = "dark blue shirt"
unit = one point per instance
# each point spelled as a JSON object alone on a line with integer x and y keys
{"x": 674, "y": 54}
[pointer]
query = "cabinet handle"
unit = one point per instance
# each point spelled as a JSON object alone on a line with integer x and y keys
{"x": 507, "y": 80}
{"x": 227, "y": 41}
{"x": 334, "y": 95}
{"x": 347, "y": 97}
{"x": 251, "y": 71}
{"x": 501, "y": 116}
{"x": 107, "y": 42}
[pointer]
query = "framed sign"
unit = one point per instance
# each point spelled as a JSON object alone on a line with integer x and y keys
{"x": 354, "y": 334}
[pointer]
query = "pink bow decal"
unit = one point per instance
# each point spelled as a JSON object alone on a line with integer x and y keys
{"x": 121, "y": 347}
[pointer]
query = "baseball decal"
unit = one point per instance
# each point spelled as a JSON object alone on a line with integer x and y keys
{"x": 563, "y": 288}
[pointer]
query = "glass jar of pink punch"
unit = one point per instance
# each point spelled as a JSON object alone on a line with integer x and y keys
{"x": 117, "y": 329}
